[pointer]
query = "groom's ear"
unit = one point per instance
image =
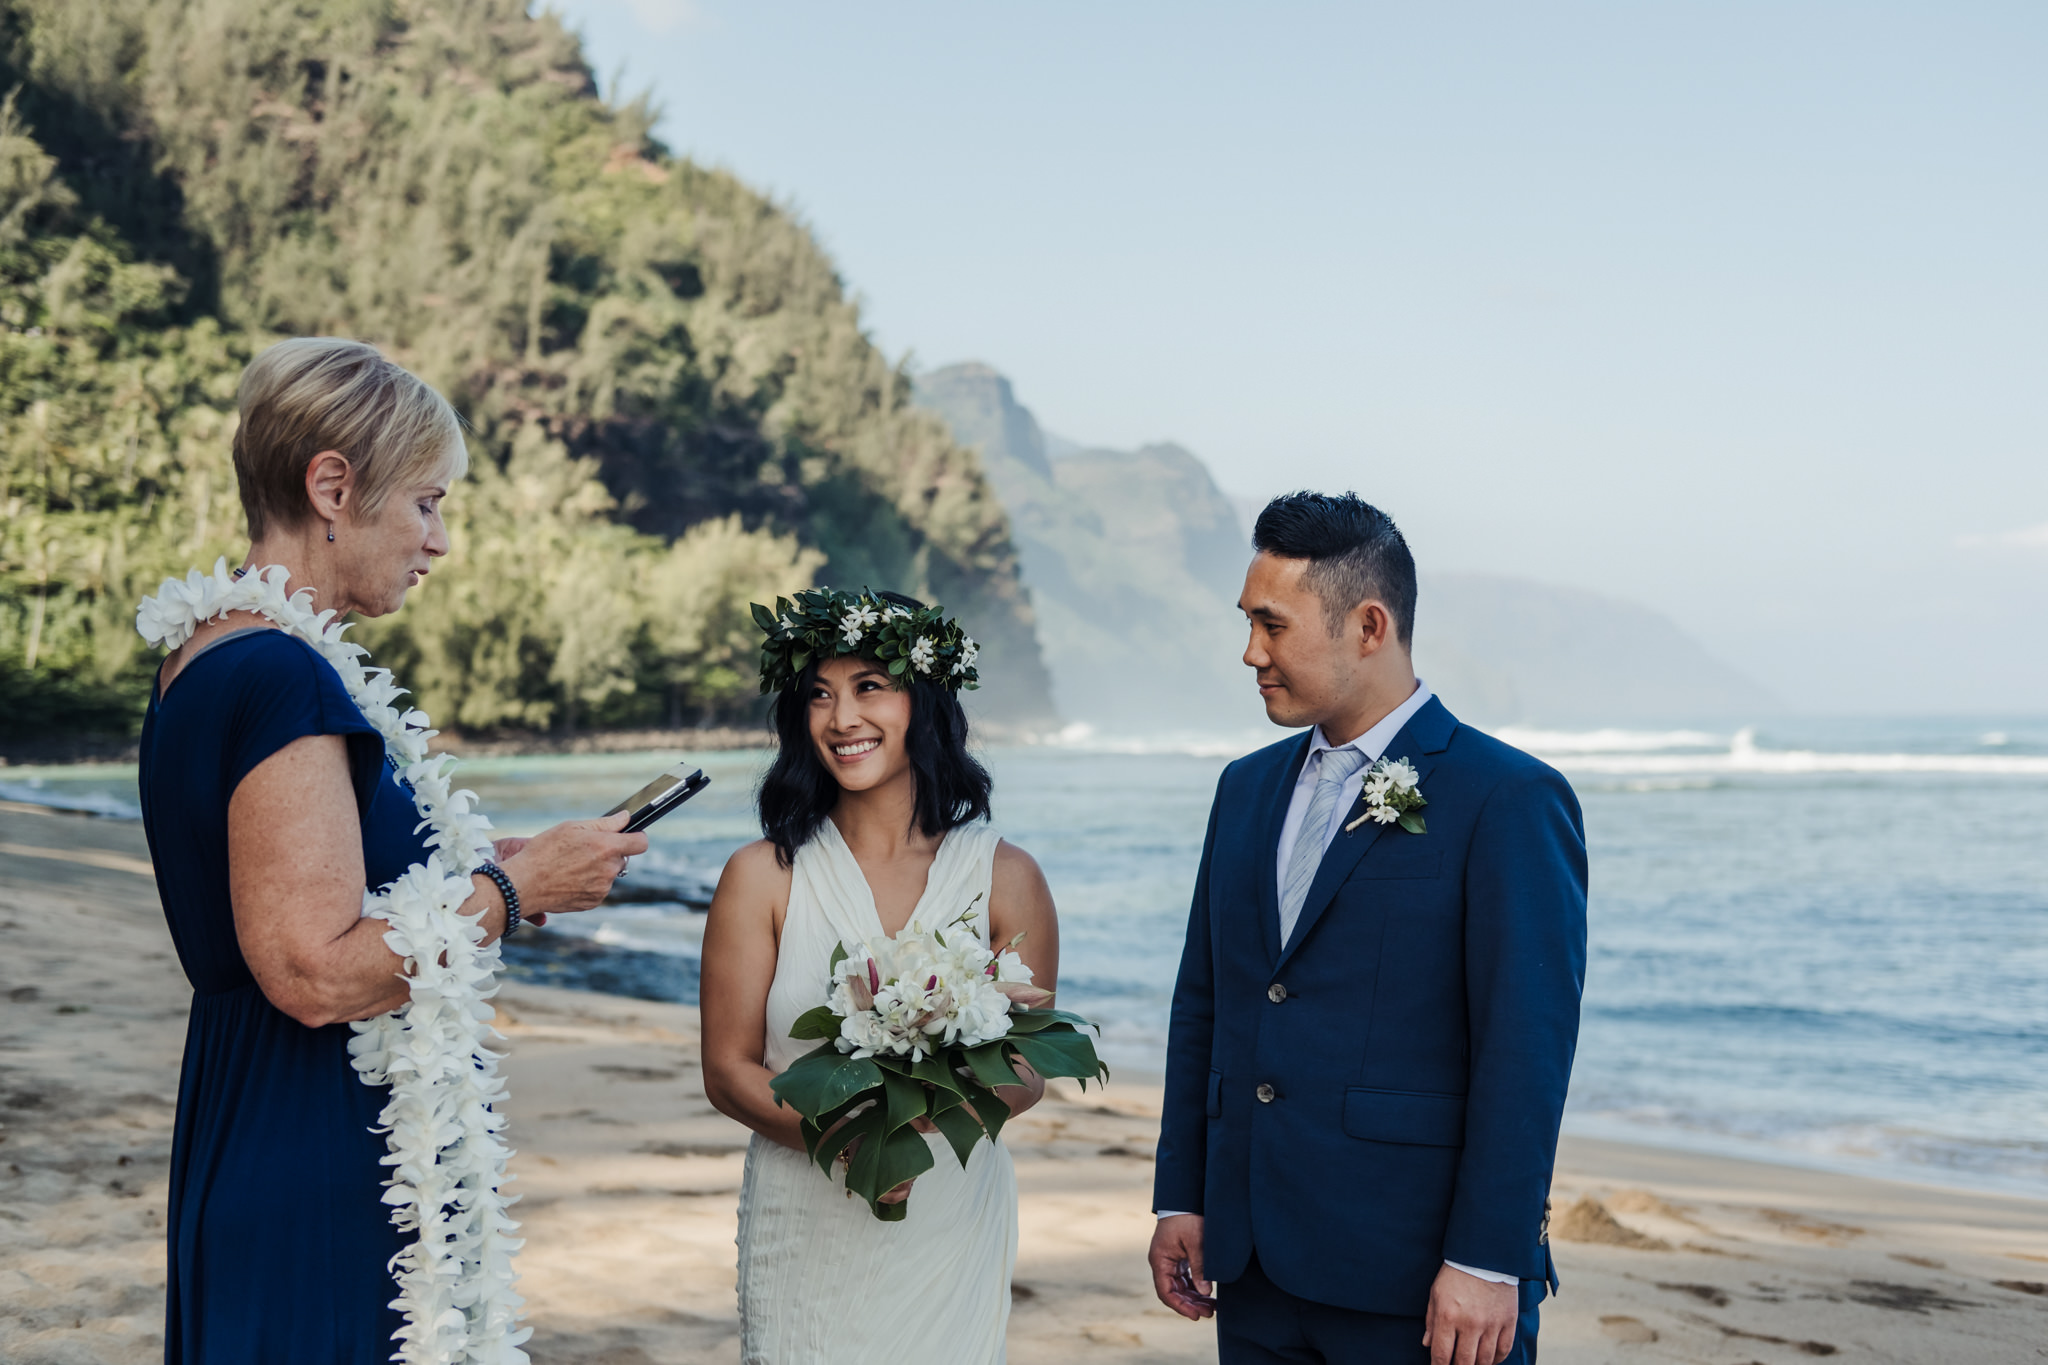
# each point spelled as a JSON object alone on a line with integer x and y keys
{"x": 1371, "y": 627}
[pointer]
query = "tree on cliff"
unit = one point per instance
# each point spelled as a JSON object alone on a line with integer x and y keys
{"x": 673, "y": 407}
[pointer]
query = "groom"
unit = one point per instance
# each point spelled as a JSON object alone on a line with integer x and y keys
{"x": 1376, "y": 1013}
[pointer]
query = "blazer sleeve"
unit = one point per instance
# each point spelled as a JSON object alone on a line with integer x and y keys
{"x": 1182, "y": 1169}
{"x": 1525, "y": 969}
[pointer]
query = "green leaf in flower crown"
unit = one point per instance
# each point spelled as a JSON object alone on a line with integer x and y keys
{"x": 962, "y": 1130}
{"x": 1061, "y": 1050}
{"x": 763, "y": 618}
{"x": 800, "y": 660}
{"x": 817, "y": 1022}
{"x": 988, "y": 1065}
{"x": 897, "y": 666}
{"x": 1412, "y": 822}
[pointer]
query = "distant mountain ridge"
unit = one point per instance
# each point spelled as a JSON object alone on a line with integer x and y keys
{"x": 1502, "y": 649}
{"x": 1133, "y": 560}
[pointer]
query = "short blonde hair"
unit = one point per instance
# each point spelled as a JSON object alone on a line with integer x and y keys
{"x": 312, "y": 394}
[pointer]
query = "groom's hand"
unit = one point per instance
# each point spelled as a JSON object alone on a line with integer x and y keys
{"x": 1471, "y": 1321}
{"x": 1176, "y": 1258}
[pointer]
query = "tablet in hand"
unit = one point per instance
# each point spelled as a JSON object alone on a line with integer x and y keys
{"x": 661, "y": 796}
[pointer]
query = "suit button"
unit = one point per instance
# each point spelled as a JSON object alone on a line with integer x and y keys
{"x": 1276, "y": 992}
{"x": 1265, "y": 1093}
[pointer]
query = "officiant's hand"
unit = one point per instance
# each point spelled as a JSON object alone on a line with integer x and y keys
{"x": 573, "y": 865}
{"x": 1176, "y": 1258}
{"x": 1471, "y": 1321}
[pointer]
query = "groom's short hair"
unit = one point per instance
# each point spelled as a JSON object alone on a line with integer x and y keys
{"x": 1354, "y": 553}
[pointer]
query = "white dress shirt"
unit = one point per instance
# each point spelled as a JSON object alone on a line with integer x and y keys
{"x": 1373, "y": 744}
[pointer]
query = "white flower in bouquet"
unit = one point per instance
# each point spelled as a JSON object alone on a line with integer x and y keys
{"x": 925, "y": 1028}
{"x": 925, "y": 990}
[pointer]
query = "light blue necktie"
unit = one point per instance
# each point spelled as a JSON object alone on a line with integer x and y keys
{"x": 1313, "y": 837}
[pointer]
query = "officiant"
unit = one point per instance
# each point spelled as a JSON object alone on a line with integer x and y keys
{"x": 273, "y": 808}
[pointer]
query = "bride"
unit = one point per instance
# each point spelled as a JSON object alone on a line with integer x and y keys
{"x": 874, "y": 813}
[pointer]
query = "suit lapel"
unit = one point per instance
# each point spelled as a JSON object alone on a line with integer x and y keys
{"x": 1274, "y": 798}
{"x": 1426, "y": 735}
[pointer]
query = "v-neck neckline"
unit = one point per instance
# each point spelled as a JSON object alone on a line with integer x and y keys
{"x": 931, "y": 879}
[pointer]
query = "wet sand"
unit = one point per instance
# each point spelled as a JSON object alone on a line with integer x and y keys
{"x": 628, "y": 1181}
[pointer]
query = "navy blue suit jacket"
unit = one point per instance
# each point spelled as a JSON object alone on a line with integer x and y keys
{"x": 1417, "y": 1032}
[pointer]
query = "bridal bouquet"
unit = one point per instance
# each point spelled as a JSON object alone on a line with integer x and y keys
{"x": 924, "y": 1027}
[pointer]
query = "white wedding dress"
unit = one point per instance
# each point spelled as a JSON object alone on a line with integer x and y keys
{"x": 822, "y": 1280}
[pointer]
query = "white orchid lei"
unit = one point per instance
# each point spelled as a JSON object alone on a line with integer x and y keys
{"x": 455, "y": 1278}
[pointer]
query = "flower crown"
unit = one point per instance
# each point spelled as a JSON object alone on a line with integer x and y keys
{"x": 827, "y": 623}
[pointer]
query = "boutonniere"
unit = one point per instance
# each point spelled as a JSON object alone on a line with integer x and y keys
{"x": 1392, "y": 796}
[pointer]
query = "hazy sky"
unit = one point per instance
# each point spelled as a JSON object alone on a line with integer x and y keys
{"x": 1740, "y": 310}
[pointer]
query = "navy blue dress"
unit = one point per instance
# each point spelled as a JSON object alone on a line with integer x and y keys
{"x": 279, "y": 1244}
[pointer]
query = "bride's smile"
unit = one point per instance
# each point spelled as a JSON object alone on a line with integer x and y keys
{"x": 859, "y": 718}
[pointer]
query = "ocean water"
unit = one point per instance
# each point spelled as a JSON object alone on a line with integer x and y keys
{"x": 1816, "y": 941}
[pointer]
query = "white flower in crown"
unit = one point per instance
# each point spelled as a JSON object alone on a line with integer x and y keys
{"x": 1392, "y": 794}
{"x": 969, "y": 652}
{"x": 855, "y": 623}
{"x": 923, "y": 655}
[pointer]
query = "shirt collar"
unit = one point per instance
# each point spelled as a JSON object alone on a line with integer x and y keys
{"x": 1373, "y": 743}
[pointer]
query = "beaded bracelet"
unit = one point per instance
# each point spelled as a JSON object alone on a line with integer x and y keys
{"x": 510, "y": 892}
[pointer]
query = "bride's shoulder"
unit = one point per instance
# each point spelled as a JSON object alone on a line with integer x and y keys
{"x": 1016, "y": 874}
{"x": 755, "y": 873}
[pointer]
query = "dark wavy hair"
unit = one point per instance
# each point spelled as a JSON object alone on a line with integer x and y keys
{"x": 799, "y": 791}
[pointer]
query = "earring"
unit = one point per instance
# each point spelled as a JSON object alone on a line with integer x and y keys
{"x": 330, "y": 535}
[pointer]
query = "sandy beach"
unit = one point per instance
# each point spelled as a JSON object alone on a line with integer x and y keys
{"x": 629, "y": 1180}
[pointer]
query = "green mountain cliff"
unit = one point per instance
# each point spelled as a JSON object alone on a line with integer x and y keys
{"x": 1133, "y": 558}
{"x": 673, "y": 406}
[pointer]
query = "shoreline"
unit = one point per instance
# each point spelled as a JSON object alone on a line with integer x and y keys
{"x": 98, "y": 750}
{"x": 629, "y": 1180}
{"x": 545, "y": 951}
